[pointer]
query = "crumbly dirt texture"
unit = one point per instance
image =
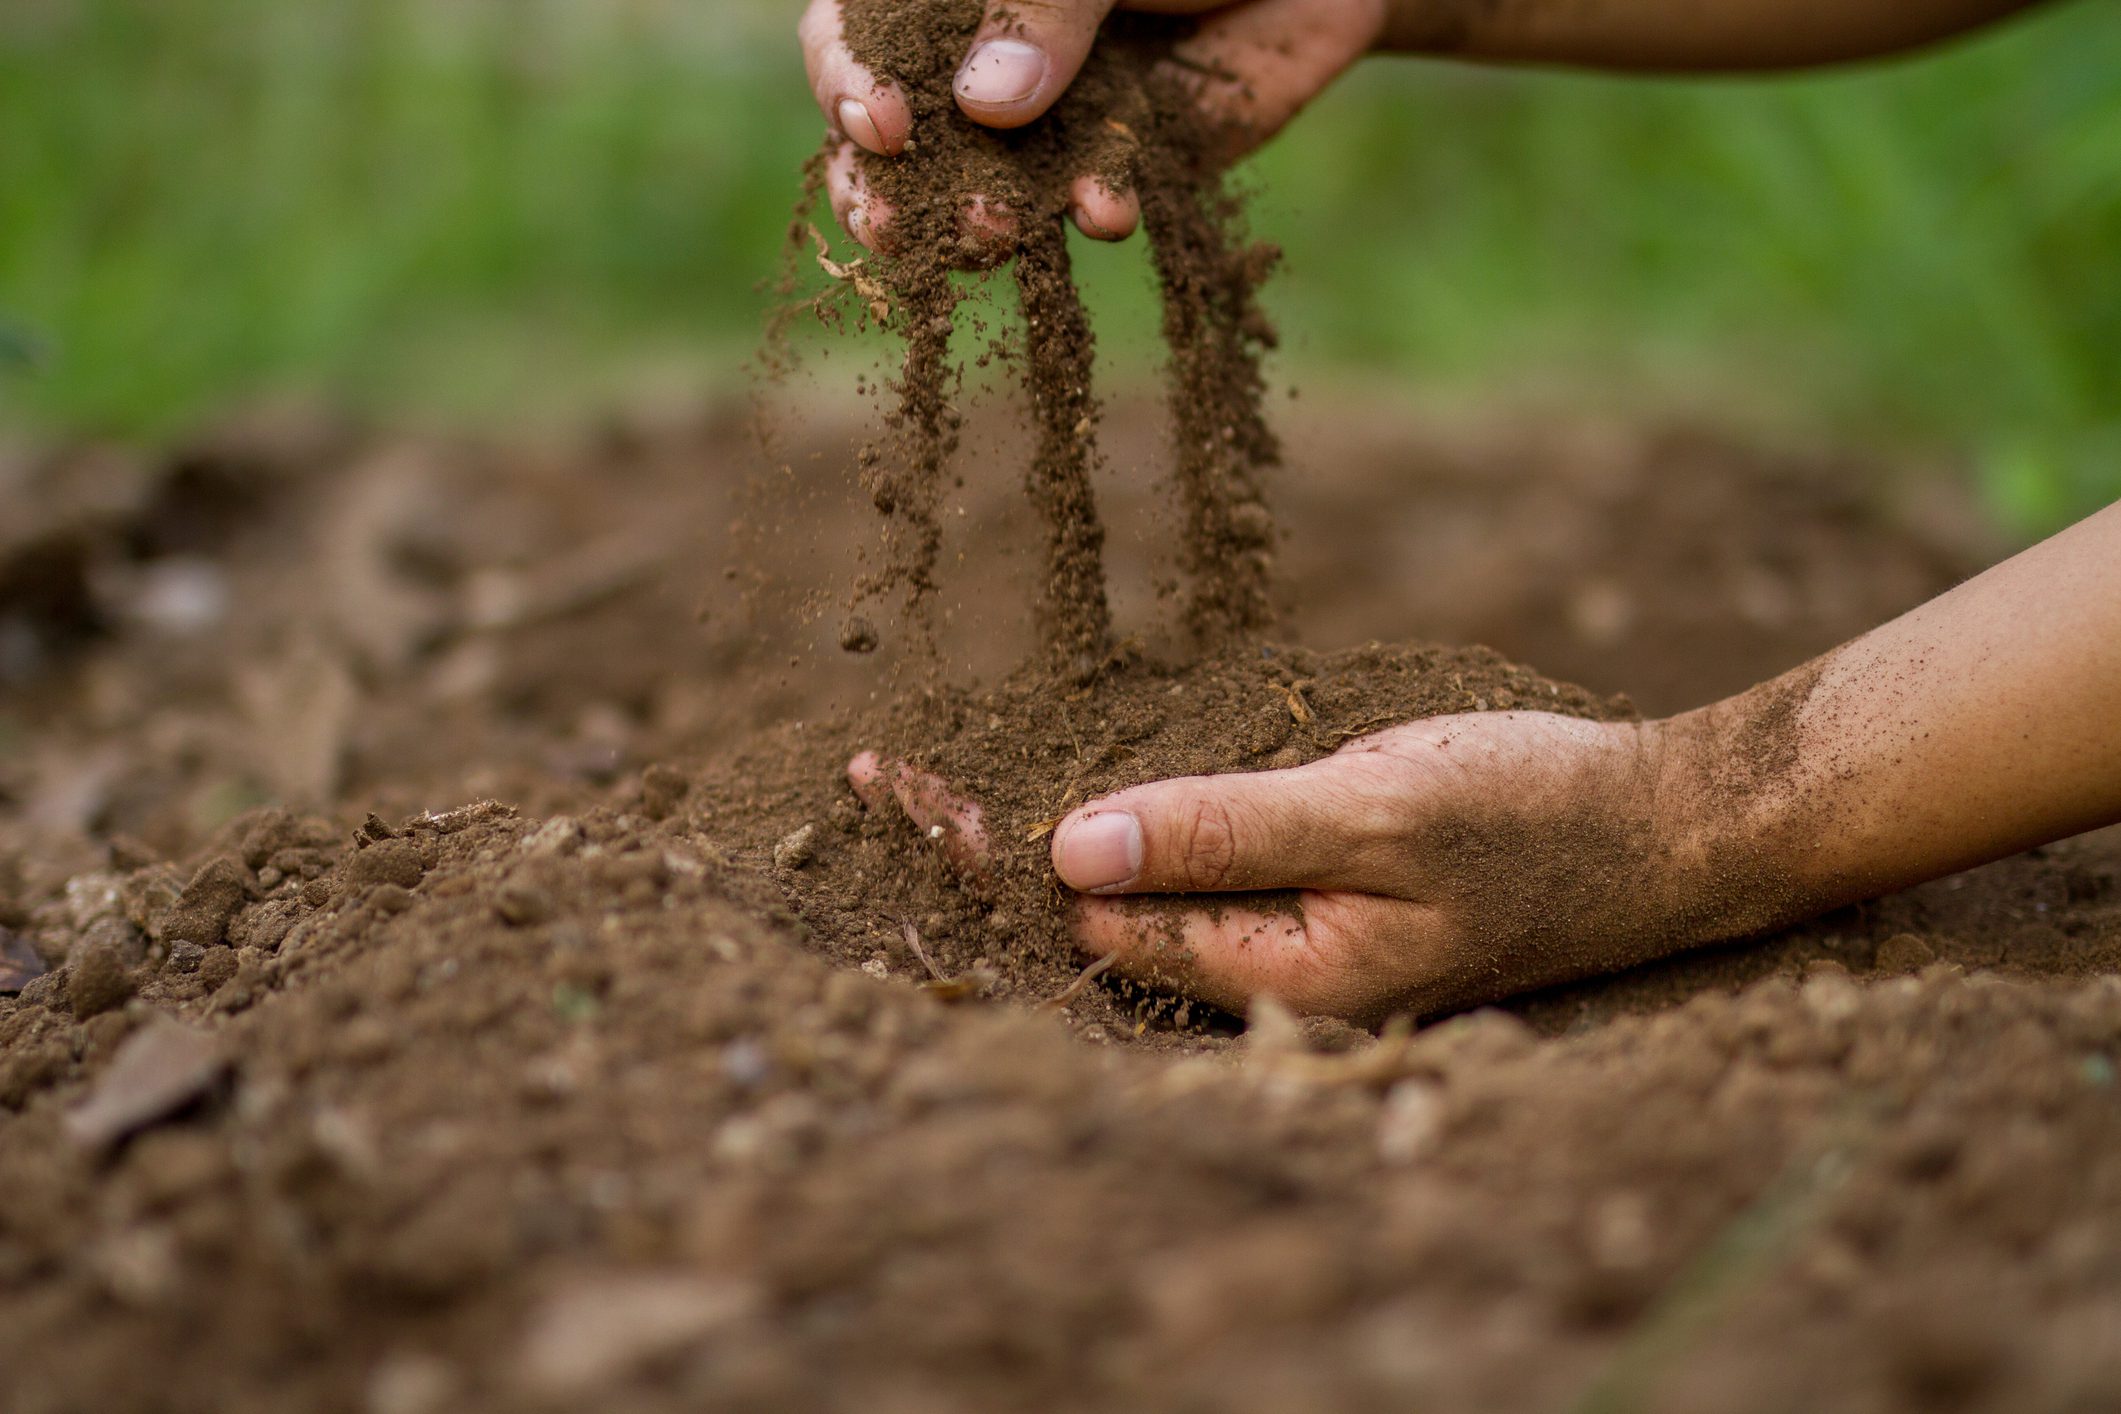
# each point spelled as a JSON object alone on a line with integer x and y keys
{"x": 435, "y": 1012}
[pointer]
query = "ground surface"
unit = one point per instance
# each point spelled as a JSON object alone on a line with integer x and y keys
{"x": 552, "y": 1101}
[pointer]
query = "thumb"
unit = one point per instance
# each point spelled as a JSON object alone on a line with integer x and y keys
{"x": 1024, "y": 57}
{"x": 1328, "y": 825}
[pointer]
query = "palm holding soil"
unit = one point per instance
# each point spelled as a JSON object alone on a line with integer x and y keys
{"x": 1430, "y": 860}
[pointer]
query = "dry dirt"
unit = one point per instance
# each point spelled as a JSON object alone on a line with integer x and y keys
{"x": 429, "y": 1025}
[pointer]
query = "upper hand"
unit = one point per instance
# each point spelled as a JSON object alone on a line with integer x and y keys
{"x": 1446, "y": 862}
{"x": 1252, "y": 64}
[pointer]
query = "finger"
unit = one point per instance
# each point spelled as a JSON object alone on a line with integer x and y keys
{"x": 1024, "y": 56}
{"x": 1336, "y": 954}
{"x": 855, "y": 102}
{"x": 987, "y": 230}
{"x": 865, "y": 774}
{"x": 948, "y": 819}
{"x": 987, "y": 233}
{"x": 861, "y": 213}
{"x": 1253, "y": 67}
{"x": 955, "y": 824}
{"x": 1334, "y": 824}
{"x": 1101, "y": 214}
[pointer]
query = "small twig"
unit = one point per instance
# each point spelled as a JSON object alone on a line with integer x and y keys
{"x": 912, "y": 935}
{"x": 1293, "y": 693}
{"x": 1075, "y": 989}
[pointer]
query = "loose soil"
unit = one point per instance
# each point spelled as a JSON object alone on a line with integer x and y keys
{"x": 1127, "y": 121}
{"x": 426, "y": 1023}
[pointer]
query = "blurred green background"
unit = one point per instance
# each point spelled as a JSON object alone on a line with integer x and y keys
{"x": 459, "y": 210}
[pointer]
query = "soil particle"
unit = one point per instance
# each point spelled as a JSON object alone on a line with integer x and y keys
{"x": 395, "y": 862}
{"x": 98, "y": 980}
{"x": 201, "y": 913}
{"x": 858, "y": 634}
{"x": 1905, "y": 953}
{"x": 796, "y": 848}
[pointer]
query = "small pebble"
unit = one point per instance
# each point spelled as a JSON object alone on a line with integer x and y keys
{"x": 858, "y": 635}
{"x": 1905, "y": 952}
{"x": 796, "y": 849}
{"x": 523, "y": 904}
{"x": 98, "y": 982}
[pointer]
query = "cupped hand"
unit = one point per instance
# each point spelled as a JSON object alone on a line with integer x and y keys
{"x": 1251, "y": 64}
{"x": 1443, "y": 863}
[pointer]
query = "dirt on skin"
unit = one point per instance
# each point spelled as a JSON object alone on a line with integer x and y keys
{"x": 535, "y": 1092}
{"x": 1128, "y": 121}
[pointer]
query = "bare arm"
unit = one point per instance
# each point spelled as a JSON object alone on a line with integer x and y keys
{"x": 1982, "y": 723}
{"x": 1678, "y": 35}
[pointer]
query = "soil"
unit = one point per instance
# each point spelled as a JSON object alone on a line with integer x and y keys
{"x": 426, "y": 1022}
{"x": 1129, "y": 121}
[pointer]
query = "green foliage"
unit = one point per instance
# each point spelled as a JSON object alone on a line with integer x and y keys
{"x": 480, "y": 205}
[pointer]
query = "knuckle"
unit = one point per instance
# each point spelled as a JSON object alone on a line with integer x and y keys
{"x": 1207, "y": 844}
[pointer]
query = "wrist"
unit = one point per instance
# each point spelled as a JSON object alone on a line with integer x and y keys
{"x": 1742, "y": 854}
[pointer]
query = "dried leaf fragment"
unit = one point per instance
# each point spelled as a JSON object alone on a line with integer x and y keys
{"x": 19, "y": 963}
{"x": 851, "y": 272}
{"x": 1293, "y": 693}
{"x": 160, "y": 1069}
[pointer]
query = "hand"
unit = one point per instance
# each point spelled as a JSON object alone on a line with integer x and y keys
{"x": 1447, "y": 862}
{"x": 1253, "y": 64}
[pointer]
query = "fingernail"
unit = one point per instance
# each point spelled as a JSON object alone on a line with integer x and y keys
{"x": 1001, "y": 71}
{"x": 1099, "y": 852}
{"x": 856, "y": 123}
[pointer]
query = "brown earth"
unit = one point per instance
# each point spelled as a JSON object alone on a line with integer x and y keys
{"x": 351, "y": 1089}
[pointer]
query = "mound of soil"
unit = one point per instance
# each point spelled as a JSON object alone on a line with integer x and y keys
{"x": 877, "y": 890}
{"x": 559, "y": 1102}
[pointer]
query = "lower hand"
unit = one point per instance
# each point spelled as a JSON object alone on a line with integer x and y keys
{"x": 1443, "y": 863}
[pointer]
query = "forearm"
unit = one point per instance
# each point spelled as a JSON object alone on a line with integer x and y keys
{"x": 1983, "y": 723}
{"x": 1681, "y": 35}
